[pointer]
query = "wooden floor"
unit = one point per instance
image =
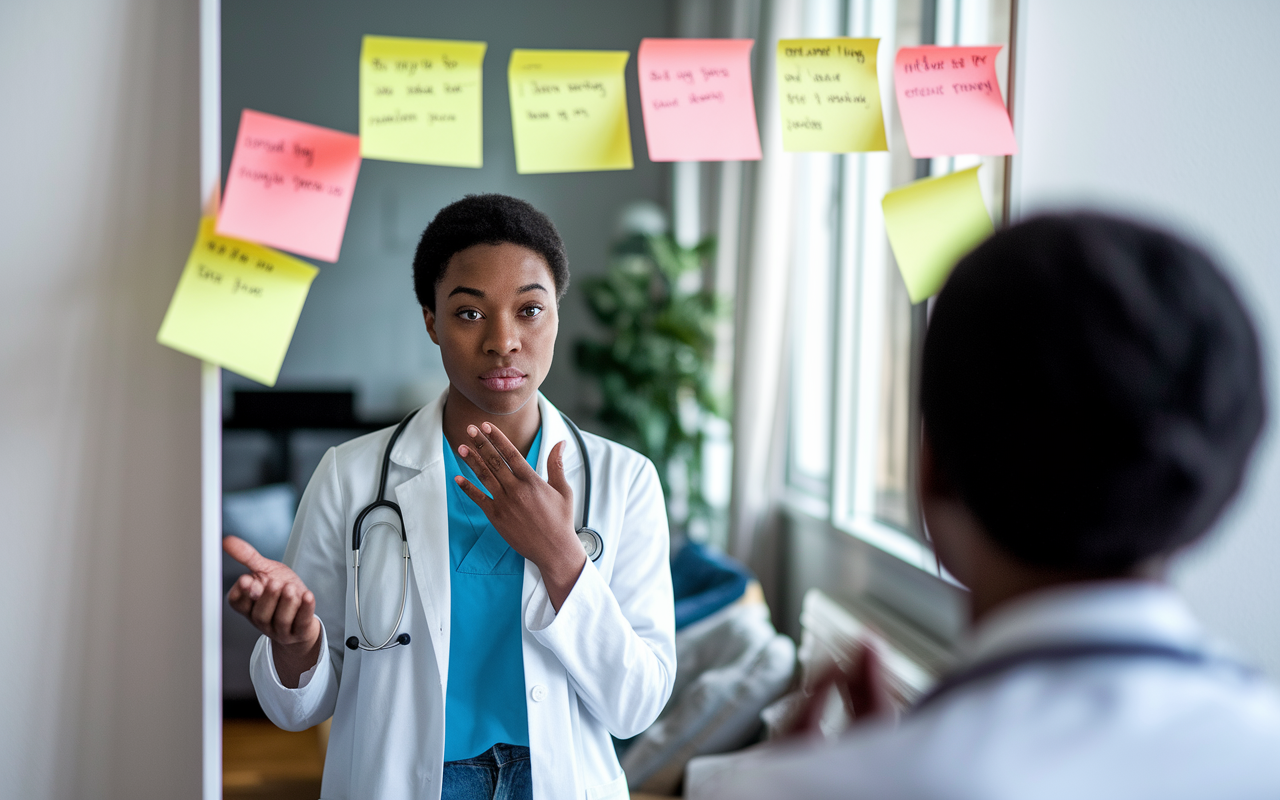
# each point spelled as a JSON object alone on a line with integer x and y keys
{"x": 261, "y": 761}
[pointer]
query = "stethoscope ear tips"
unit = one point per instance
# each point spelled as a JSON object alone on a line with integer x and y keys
{"x": 353, "y": 643}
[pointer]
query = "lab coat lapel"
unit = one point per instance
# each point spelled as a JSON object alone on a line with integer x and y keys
{"x": 426, "y": 520}
{"x": 555, "y": 431}
{"x": 425, "y": 507}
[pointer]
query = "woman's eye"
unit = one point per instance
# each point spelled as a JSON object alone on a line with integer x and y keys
{"x": 532, "y": 311}
{"x": 469, "y": 314}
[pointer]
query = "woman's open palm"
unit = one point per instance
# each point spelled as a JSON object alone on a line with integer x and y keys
{"x": 272, "y": 596}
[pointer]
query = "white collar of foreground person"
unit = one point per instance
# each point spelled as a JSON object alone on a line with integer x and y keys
{"x": 1100, "y": 728}
{"x": 1106, "y": 611}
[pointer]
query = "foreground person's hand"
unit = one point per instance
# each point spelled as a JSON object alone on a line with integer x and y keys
{"x": 861, "y": 686}
{"x": 533, "y": 515}
{"x": 278, "y": 603}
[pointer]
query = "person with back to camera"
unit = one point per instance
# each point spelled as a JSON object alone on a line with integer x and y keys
{"x": 1091, "y": 392}
{"x": 493, "y": 651}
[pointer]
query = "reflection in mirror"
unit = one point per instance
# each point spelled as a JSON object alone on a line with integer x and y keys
{"x": 360, "y": 357}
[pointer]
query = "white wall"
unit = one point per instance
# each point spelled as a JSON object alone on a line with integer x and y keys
{"x": 99, "y": 425}
{"x": 1168, "y": 109}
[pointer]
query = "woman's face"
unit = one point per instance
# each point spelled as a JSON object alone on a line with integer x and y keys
{"x": 496, "y": 321}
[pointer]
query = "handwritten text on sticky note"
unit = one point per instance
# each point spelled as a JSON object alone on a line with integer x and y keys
{"x": 290, "y": 185}
{"x": 697, "y": 101}
{"x": 949, "y": 100}
{"x": 932, "y": 224}
{"x": 569, "y": 110}
{"x": 420, "y": 100}
{"x": 236, "y": 305}
{"x": 829, "y": 95}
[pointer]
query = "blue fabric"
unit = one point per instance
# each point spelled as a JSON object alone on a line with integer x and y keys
{"x": 500, "y": 773}
{"x": 704, "y": 582}
{"x": 484, "y": 704}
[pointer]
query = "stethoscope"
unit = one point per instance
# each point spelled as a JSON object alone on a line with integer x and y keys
{"x": 591, "y": 541}
{"x": 1069, "y": 651}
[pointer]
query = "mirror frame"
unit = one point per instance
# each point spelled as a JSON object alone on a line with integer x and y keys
{"x": 211, "y": 425}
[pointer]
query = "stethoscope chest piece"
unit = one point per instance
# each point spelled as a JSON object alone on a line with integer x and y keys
{"x": 591, "y": 542}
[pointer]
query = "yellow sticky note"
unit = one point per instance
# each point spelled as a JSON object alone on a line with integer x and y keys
{"x": 420, "y": 100}
{"x": 236, "y": 305}
{"x": 829, "y": 96}
{"x": 932, "y": 224}
{"x": 569, "y": 110}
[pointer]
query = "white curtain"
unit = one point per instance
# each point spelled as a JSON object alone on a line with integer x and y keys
{"x": 760, "y": 342}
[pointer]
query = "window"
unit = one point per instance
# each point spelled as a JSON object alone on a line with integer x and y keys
{"x": 854, "y": 335}
{"x": 812, "y": 310}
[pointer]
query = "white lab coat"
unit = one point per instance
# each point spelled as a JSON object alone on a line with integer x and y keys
{"x": 603, "y": 665}
{"x": 1096, "y": 728}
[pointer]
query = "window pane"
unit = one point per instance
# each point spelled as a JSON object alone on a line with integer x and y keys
{"x": 812, "y": 296}
{"x": 893, "y": 447}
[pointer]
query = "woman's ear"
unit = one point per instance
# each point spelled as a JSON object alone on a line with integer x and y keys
{"x": 429, "y": 317}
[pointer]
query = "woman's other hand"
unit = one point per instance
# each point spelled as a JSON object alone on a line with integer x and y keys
{"x": 533, "y": 515}
{"x": 278, "y": 603}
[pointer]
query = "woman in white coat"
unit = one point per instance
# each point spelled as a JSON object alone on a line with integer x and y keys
{"x": 524, "y": 655}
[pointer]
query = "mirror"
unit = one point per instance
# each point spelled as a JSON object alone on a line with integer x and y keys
{"x": 360, "y": 357}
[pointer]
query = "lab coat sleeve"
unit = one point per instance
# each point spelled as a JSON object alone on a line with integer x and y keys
{"x": 616, "y": 639}
{"x": 317, "y": 554}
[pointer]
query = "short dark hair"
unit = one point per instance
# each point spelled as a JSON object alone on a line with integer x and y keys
{"x": 1093, "y": 389}
{"x": 485, "y": 219}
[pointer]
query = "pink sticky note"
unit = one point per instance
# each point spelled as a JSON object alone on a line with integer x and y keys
{"x": 697, "y": 101}
{"x": 290, "y": 185}
{"x": 949, "y": 100}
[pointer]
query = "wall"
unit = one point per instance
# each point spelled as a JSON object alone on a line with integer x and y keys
{"x": 1167, "y": 109}
{"x": 99, "y": 425}
{"x": 361, "y": 325}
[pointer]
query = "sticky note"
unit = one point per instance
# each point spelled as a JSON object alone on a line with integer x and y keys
{"x": 290, "y": 185}
{"x": 569, "y": 110}
{"x": 932, "y": 224}
{"x": 697, "y": 101}
{"x": 949, "y": 100}
{"x": 236, "y": 305}
{"x": 420, "y": 100}
{"x": 829, "y": 96}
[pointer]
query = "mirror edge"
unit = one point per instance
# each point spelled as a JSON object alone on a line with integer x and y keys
{"x": 211, "y": 423}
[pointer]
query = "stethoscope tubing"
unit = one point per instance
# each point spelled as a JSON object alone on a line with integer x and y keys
{"x": 404, "y": 594}
{"x": 592, "y": 542}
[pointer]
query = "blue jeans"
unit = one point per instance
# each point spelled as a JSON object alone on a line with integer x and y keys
{"x": 500, "y": 773}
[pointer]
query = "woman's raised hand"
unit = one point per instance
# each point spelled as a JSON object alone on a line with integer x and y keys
{"x": 278, "y": 603}
{"x": 533, "y": 515}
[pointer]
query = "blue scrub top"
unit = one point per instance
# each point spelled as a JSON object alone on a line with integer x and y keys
{"x": 484, "y": 704}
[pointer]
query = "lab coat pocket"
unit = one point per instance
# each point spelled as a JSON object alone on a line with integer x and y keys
{"x": 615, "y": 789}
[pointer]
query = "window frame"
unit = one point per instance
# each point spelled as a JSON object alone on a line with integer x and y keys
{"x": 847, "y": 502}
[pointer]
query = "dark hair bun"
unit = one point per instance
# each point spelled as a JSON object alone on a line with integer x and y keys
{"x": 1093, "y": 389}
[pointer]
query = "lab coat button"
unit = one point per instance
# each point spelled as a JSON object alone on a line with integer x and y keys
{"x": 538, "y": 693}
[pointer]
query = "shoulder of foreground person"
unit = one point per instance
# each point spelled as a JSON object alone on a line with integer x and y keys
{"x": 1134, "y": 732}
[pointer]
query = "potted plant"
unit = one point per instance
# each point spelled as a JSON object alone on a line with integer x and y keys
{"x": 653, "y": 366}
